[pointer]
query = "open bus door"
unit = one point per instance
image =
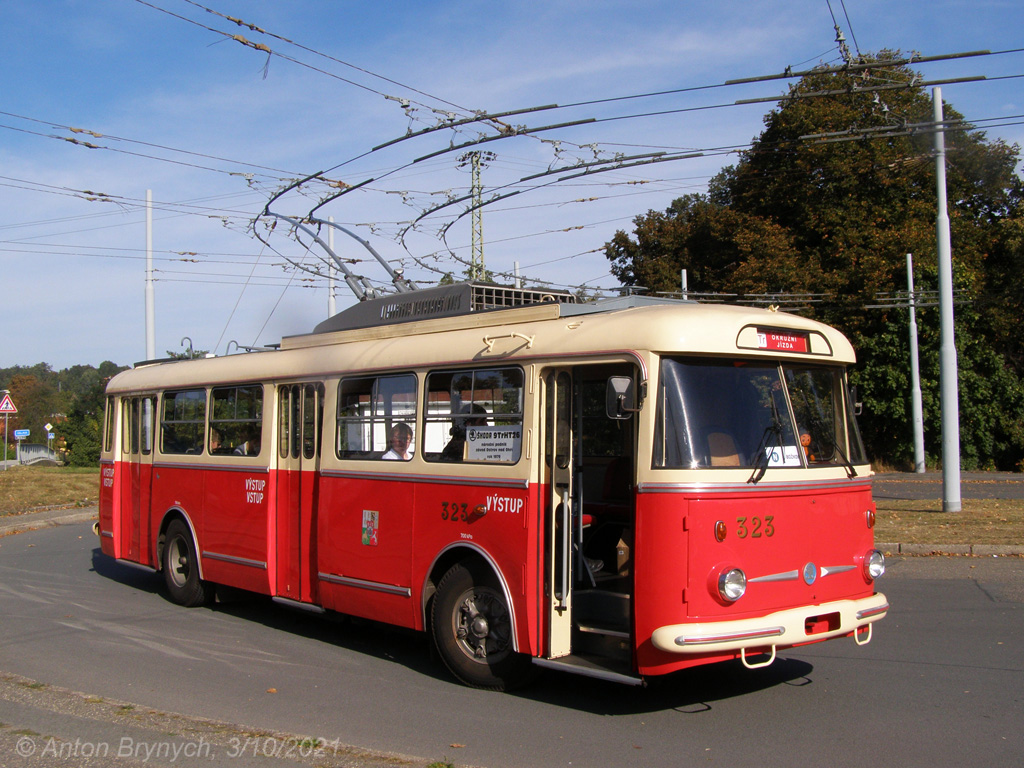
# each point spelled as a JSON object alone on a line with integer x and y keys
{"x": 136, "y": 477}
{"x": 300, "y": 420}
{"x": 588, "y": 472}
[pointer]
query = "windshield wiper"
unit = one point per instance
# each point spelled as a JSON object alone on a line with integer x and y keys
{"x": 851, "y": 472}
{"x": 761, "y": 461}
{"x": 819, "y": 425}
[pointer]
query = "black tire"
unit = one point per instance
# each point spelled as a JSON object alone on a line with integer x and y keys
{"x": 472, "y": 628}
{"x": 181, "y": 568}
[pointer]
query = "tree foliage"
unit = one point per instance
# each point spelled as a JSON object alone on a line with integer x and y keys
{"x": 71, "y": 400}
{"x": 828, "y": 200}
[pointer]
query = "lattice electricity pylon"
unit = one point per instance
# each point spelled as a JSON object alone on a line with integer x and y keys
{"x": 475, "y": 160}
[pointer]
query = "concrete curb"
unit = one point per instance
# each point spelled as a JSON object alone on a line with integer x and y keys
{"x": 30, "y": 521}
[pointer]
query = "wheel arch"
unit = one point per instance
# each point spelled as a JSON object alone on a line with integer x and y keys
{"x": 172, "y": 514}
{"x": 472, "y": 556}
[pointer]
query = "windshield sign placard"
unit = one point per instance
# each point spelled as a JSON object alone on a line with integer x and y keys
{"x": 783, "y": 456}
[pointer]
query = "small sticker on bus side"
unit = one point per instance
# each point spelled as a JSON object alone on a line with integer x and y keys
{"x": 370, "y": 521}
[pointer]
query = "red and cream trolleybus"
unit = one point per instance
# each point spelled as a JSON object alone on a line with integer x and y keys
{"x": 622, "y": 488}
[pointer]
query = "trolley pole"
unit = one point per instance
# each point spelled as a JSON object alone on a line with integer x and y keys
{"x": 915, "y": 375}
{"x": 947, "y": 351}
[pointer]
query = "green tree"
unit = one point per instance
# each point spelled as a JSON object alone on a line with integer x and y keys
{"x": 828, "y": 200}
{"x": 82, "y": 433}
{"x": 190, "y": 354}
{"x": 38, "y": 403}
{"x": 82, "y": 430}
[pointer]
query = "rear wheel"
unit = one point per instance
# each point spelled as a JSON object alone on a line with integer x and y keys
{"x": 472, "y": 628}
{"x": 181, "y": 568}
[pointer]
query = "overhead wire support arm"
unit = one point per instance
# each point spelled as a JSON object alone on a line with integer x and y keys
{"x": 524, "y": 131}
{"x": 878, "y": 64}
{"x": 483, "y": 117}
{"x": 869, "y": 89}
{"x": 614, "y": 164}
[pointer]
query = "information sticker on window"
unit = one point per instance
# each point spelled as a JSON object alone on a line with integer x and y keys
{"x": 498, "y": 444}
{"x": 783, "y": 456}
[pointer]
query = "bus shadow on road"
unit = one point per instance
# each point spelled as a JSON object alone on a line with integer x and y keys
{"x": 136, "y": 577}
{"x": 690, "y": 691}
{"x": 374, "y": 640}
{"x": 406, "y": 647}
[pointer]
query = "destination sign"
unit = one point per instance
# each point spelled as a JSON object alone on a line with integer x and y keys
{"x": 781, "y": 341}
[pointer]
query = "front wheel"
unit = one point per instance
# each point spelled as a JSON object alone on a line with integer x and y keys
{"x": 472, "y": 628}
{"x": 181, "y": 568}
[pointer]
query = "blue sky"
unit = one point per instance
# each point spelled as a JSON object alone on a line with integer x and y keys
{"x": 214, "y": 127}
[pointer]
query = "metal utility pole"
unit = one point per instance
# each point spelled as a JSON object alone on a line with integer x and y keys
{"x": 949, "y": 391}
{"x": 150, "y": 309}
{"x": 476, "y": 159}
{"x": 916, "y": 409}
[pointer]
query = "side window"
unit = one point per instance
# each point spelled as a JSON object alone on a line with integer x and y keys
{"x": 183, "y": 421}
{"x": 126, "y": 425}
{"x": 312, "y": 419}
{"x": 108, "y": 426}
{"x": 146, "y": 436}
{"x": 474, "y": 415}
{"x": 377, "y": 417}
{"x": 236, "y": 421}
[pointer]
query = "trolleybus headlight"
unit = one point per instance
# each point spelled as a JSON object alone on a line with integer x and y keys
{"x": 874, "y": 565}
{"x": 732, "y": 584}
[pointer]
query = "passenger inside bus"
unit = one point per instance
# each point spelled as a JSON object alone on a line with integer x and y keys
{"x": 455, "y": 448}
{"x": 250, "y": 446}
{"x": 401, "y": 443}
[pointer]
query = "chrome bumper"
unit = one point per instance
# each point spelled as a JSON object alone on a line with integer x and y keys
{"x": 782, "y": 628}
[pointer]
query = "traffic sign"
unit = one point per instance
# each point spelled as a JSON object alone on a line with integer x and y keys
{"x": 21, "y": 434}
{"x": 7, "y": 405}
{"x": 48, "y": 426}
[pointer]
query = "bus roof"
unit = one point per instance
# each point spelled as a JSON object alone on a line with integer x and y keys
{"x": 546, "y": 331}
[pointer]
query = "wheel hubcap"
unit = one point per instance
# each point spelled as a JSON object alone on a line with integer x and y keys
{"x": 482, "y": 625}
{"x": 179, "y": 556}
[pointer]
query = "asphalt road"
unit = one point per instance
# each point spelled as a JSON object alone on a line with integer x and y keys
{"x": 928, "y": 485}
{"x": 941, "y": 683}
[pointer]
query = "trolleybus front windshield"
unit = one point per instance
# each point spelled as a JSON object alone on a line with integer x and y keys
{"x": 753, "y": 414}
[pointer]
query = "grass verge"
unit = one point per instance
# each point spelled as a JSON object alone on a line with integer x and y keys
{"x": 982, "y": 521}
{"x": 26, "y": 488}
